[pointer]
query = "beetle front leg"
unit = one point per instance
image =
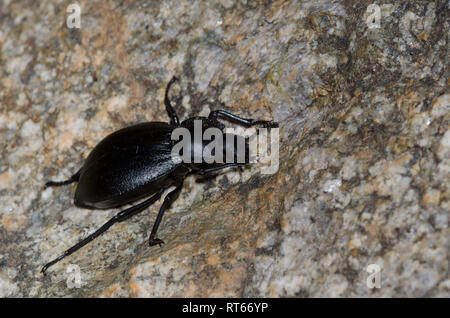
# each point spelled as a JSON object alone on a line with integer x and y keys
{"x": 248, "y": 122}
{"x": 170, "y": 197}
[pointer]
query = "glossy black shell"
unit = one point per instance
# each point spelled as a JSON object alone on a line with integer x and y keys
{"x": 127, "y": 165}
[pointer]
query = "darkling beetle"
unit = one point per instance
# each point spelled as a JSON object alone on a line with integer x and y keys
{"x": 135, "y": 162}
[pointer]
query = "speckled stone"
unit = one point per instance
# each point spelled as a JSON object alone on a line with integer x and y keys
{"x": 364, "y": 146}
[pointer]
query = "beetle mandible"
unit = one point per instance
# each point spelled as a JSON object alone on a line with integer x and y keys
{"x": 136, "y": 162}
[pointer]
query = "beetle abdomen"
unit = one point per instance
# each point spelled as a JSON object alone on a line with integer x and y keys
{"x": 125, "y": 166}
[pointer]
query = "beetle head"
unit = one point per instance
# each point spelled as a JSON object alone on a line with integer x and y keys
{"x": 206, "y": 145}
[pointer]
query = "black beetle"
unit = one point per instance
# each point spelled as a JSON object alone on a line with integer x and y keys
{"x": 135, "y": 162}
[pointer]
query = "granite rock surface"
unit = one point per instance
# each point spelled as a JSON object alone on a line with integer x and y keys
{"x": 362, "y": 97}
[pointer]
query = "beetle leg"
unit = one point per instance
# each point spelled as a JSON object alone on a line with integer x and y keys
{"x": 206, "y": 171}
{"x": 239, "y": 120}
{"x": 119, "y": 217}
{"x": 73, "y": 178}
{"x": 172, "y": 114}
{"x": 206, "y": 177}
{"x": 170, "y": 197}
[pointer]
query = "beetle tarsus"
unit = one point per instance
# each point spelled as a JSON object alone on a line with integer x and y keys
{"x": 44, "y": 269}
{"x": 57, "y": 183}
{"x": 56, "y": 260}
{"x": 155, "y": 241}
{"x": 72, "y": 179}
{"x": 265, "y": 123}
{"x": 170, "y": 197}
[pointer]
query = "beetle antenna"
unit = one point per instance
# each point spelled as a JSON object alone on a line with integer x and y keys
{"x": 170, "y": 111}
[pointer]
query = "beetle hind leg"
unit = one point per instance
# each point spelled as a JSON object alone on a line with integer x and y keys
{"x": 72, "y": 179}
{"x": 119, "y": 217}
